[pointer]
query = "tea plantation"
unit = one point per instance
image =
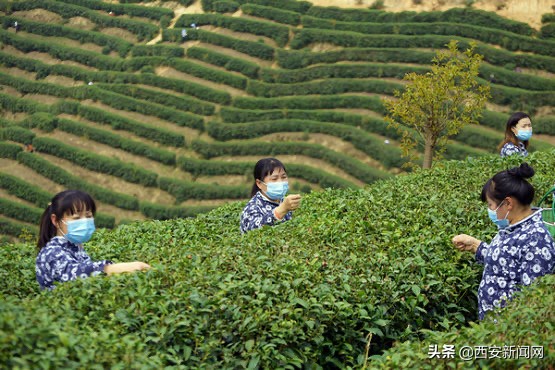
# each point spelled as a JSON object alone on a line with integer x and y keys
{"x": 356, "y": 272}
{"x": 160, "y": 109}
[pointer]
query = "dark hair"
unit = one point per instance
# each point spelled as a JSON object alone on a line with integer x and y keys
{"x": 263, "y": 168}
{"x": 510, "y": 136}
{"x": 510, "y": 183}
{"x": 73, "y": 201}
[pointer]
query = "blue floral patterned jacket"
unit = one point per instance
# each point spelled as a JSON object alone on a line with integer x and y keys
{"x": 510, "y": 149}
{"x": 516, "y": 256}
{"x": 259, "y": 212}
{"x": 60, "y": 260}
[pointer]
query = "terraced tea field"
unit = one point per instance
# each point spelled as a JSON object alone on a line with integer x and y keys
{"x": 160, "y": 110}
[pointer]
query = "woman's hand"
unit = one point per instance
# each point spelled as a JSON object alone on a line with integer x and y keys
{"x": 290, "y": 203}
{"x": 465, "y": 242}
{"x": 118, "y": 268}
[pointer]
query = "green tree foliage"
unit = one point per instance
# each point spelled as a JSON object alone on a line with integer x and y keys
{"x": 438, "y": 104}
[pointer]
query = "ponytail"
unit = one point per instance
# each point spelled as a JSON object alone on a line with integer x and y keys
{"x": 47, "y": 228}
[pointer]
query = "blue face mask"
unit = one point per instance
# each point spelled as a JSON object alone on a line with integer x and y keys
{"x": 277, "y": 190}
{"x": 79, "y": 231}
{"x": 501, "y": 223}
{"x": 524, "y": 135}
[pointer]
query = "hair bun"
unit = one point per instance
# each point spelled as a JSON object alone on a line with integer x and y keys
{"x": 525, "y": 171}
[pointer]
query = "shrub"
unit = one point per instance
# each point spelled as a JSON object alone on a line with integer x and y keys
{"x": 120, "y": 123}
{"x": 199, "y": 167}
{"x": 247, "y": 68}
{"x": 17, "y": 134}
{"x": 293, "y": 59}
{"x": 9, "y": 227}
{"x": 178, "y": 102}
{"x": 60, "y": 176}
{"x": 141, "y": 29}
{"x": 167, "y": 51}
{"x": 183, "y": 190}
{"x": 351, "y": 166}
{"x": 279, "y": 33}
{"x": 274, "y": 14}
{"x": 225, "y": 6}
{"x": 304, "y": 293}
{"x": 161, "y": 212}
{"x": 116, "y": 141}
{"x": 312, "y": 102}
{"x": 522, "y": 324}
{"x": 95, "y": 162}
{"x": 254, "y": 49}
{"x": 389, "y": 156}
{"x": 328, "y": 87}
{"x": 9, "y": 150}
{"x": 39, "y": 198}
{"x": 55, "y": 30}
{"x": 455, "y": 15}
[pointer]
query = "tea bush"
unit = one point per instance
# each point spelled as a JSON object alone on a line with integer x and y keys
{"x": 184, "y": 102}
{"x": 348, "y": 164}
{"x": 389, "y": 156}
{"x": 290, "y": 5}
{"x": 41, "y": 198}
{"x": 116, "y": 141}
{"x": 95, "y": 162}
{"x": 277, "y": 32}
{"x": 251, "y": 48}
{"x": 507, "y": 40}
{"x": 168, "y": 51}
{"x": 17, "y": 229}
{"x": 527, "y": 321}
{"x": 272, "y": 13}
{"x": 304, "y": 294}
{"x": 293, "y": 59}
{"x": 141, "y": 29}
{"x": 55, "y": 30}
{"x": 118, "y": 122}
{"x": 61, "y": 176}
{"x": 455, "y": 15}
{"x": 184, "y": 190}
{"x": 199, "y": 167}
{"x": 149, "y": 12}
{"x": 334, "y": 86}
{"x": 245, "y": 67}
{"x": 161, "y": 212}
{"x": 373, "y": 103}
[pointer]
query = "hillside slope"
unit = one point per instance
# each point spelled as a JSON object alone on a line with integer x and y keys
{"x": 156, "y": 124}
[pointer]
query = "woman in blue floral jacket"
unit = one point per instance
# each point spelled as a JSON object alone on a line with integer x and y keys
{"x": 65, "y": 225}
{"x": 518, "y": 132}
{"x": 522, "y": 250}
{"x": 269, "y": 203}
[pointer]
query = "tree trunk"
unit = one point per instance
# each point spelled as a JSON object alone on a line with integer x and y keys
{"x": 429, "y": 147}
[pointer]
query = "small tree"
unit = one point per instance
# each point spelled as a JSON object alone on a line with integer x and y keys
{"x": 438, "y": 104}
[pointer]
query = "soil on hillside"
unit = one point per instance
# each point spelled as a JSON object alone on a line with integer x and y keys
{"x": 527, "y": 11}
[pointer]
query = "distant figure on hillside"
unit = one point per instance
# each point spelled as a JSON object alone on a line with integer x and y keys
{"x": 65, "y": 225}
{"x": 183, "y": 33}
{"x": 29, "y": 148}
{"x": 522, "y": 250}
{"x": 111, "y": 14}
{"x": 16, "y": 26}
{"x": 269, "y": 204}
{"x": 90, "y": 83}
{"x": 517, "y": 134}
